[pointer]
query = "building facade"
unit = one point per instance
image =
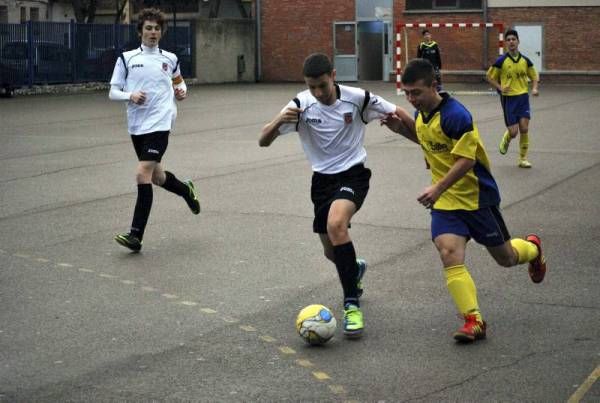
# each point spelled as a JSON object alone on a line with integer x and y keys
{"x": 360, "y": 36}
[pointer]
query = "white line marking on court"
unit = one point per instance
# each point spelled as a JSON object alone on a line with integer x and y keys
{"x": 266, "y": 338}
{"x": 320, "y": 375}
{"x": 248, "y": 328}
{"x": 209, "y": 311}
{"x": 188, "y": 303}
{"x": 149, "y": 289}
{"x": 41, "y": 260}
{"x": 104, "y": 275}
{"x": 21, "y": 255}
{"x": 169, "y": 296}
{"x": 86, "y": 270}
{"x": 128, "y": 282}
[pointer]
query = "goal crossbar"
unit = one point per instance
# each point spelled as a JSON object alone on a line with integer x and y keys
{"x": 399, "y": 27}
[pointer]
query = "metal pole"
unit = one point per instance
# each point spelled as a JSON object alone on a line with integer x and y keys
{"x": 484, "y": 59}
{"x": 258, "y": 43}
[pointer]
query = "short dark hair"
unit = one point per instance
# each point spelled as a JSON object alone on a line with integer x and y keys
{"x": 512, "y": 32}
{"x": 151, "y": 14}
{"x": 418, "y": 69}
{"x": 425, "y": 31}
{"x": 317, "y": 64}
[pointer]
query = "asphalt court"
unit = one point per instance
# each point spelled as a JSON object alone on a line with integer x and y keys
{"x": 206, "y": 311}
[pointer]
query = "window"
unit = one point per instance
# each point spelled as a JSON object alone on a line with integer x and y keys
{"x": 3, "y": 14}
{"x": 433, "y": 5}
{"x": 34, "y": 14}
{"x": 23, "y": 14}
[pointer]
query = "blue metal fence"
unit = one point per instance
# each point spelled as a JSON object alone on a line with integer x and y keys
{"x": 56, "y": 52}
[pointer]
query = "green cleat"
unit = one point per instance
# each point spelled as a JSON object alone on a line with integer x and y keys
{"x": 353, "y": 321}
{"x": 129, "y": 241}
{"x": 362, "y": 268}
{"x": 192, "y": 198}
{"x": 503, "y": 147}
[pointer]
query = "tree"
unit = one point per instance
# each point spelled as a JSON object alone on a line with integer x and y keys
{"x": 85, "y": 10}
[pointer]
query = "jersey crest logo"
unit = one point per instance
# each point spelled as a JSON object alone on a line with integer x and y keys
{"x": 165, "y": 66}
{"x": 348, "y": 117}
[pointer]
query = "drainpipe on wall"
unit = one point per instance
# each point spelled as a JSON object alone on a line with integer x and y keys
{"x": 484, "y": 60}
{"x": 258, "y": 69}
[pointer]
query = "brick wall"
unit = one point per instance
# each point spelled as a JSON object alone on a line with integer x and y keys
{"x": 570, "y": 34}
{"x": 293, "y": 29}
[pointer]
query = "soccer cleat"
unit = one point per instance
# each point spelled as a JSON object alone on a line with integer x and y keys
{"x": 537, "y": 267}
{"x": 353, "y": 321}
{"x": 503, "y": 147}
{"x": 524, "y": 164}
{"x": 129, "y": 241}
{"x": 472, "y": 330}
{"x": 192, "y": 198}
{"x": 362, "y": 268}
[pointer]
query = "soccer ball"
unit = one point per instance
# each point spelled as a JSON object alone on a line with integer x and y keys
{"x": 315, "y": 324}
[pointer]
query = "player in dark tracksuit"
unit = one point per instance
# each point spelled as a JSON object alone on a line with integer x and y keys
{"x": 429, "y": 50}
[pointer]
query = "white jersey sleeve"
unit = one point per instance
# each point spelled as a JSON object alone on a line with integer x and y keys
{"x": 119, "y": 75}
{"x": 289, "y": 127}
{"x": 378, "y": 108}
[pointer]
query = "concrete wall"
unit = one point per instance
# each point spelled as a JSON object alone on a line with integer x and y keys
{"x": 219, "y": 42}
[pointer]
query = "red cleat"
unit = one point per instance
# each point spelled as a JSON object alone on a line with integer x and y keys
{"x": 537, "y": 267}
{"x": 472, "y": 330}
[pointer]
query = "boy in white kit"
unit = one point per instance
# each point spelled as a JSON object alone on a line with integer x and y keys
{"x": 331, "y": 120}
{"x": 148, "y": 79}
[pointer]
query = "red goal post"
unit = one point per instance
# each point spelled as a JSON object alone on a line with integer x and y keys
{"x": 401, "y": 26}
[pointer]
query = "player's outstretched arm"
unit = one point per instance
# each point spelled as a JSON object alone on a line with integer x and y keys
{"x": 271, "y": 130}
{"x": 401, "y": 122}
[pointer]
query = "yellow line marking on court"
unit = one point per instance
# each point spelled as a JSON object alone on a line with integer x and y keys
{"x": 305, "y": 363}
{"x": 208, "y": 310}
{"x": 64, "y": 265}
{"x": 287, "y": 350}
{"x": 104, "y": 275}
{"x": 42, "y": 260}
{"x": 188, "y": 303}
{"x": 266, "y": 338}
{"x": 337, "y": 389}
{"x": 86, "y": 270}
{"x": 21, "y": 255}
{"x": 248, "y": 328}
{"x": 129, "y": 282}
{"x": 585, "y": 386}
{"x": 169, "y": 296}
{"x": 320, "y": 375}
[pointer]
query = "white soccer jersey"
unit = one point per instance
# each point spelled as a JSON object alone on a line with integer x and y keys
{"x": 332, "y": 135}
{"x": 150, "y": 70}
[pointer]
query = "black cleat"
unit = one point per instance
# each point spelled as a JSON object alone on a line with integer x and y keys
{"x": 129, "y": 241}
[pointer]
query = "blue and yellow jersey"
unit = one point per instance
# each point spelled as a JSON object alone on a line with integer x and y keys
{"x": 514, "y": 73}
{"x": 446, "y": 133}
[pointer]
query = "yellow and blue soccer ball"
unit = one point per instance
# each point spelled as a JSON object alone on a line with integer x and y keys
{"x": 316, "y": 324}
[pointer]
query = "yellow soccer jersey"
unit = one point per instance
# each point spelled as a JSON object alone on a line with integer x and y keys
{"x": 449, "y": 132}
{"x": 514, "y": 73}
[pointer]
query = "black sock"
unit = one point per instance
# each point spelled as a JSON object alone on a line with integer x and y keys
{"x": 142, "y": 210}
{"x": 174, "y": 185}
{"x": 345, "y": 263}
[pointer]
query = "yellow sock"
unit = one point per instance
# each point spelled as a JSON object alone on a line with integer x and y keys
{"x": 523, "y": 145}
{"x": 525, "y": 249}
{"x": 506, "y": 136}
{"x": 462, "y": 289}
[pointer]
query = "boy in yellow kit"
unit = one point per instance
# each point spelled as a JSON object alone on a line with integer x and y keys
{"x": 510, "y": 75}
{"x": 464, "y": 198}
